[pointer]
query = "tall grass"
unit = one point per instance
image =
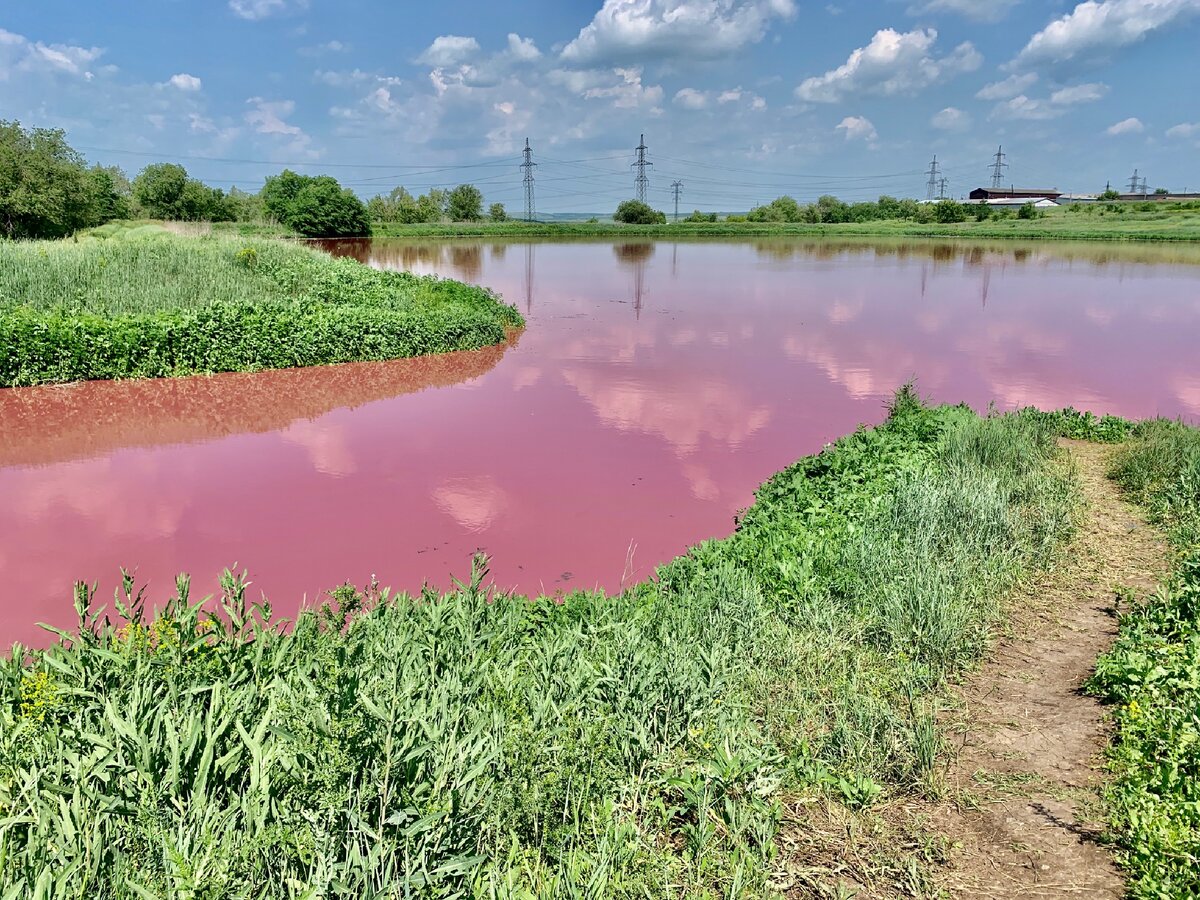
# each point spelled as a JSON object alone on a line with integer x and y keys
{"x": 149, "y": 304}
{"x": 488, "y": 745}
{"x": 1152, "y": 677}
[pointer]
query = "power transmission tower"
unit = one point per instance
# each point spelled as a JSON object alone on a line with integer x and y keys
{"x": 641, "y": 182}
{"x": 998, "y": 168}
{"x": 932, "y": 183}
{"x": 942, "y": 188}
{"x": 1133, "y": 182}
{"x": 528, "y": 166}
{"x": 676, "y": 186}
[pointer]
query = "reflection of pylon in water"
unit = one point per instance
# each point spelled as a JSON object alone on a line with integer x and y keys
{"x": 639, "y": 283}
{"x": 987, "y": 283}
{"x": 924, "y": 276}
{"x": 528, "y": 277}
{"x": 674, "y": 260}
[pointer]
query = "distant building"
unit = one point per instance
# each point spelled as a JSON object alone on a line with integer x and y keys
{"x": 1002, "y": 202}
{"x": 1013, "y": 193}
{"x": 1078, "y": 198}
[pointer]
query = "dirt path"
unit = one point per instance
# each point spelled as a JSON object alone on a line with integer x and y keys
{"x": 1024, "y": 816}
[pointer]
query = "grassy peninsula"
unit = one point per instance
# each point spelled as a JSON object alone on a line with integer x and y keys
{"x": 657, "y": 742}
{"x": 136, "y": 302}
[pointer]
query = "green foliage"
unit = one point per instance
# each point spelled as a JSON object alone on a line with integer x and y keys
{"x": 164, "y": 191}
{"x": 497, "y": 213}
{"x": 46, "y": 190}
{"x": 402, "y": 208}
{"x": 949, "y": 211}
{"x": 1152, "y": 678}
{"x": 314, "y": 206}
{"x": 465, "y": 203}
{"x": 1027, "y": 210}
{"x": 151, "y": 305}
{"x": 1110, "y": 194}
{"x": 697, "y": 216}
{"x": 634, "y": 212}
{"x": 481, "y": 744}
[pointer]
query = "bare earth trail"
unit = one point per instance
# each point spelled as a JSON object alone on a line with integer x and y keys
{"x": 1026, "y": 820}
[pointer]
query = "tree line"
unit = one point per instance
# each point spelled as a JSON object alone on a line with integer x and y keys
{"x": 48, "y": 190}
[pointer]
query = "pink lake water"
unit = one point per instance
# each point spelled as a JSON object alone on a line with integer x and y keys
{"x": 655, "y": 387}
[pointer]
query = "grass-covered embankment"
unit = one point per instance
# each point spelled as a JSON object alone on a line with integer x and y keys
{"x": 1152, "y": 676}
{"x": 475, "y": 744}
{"x": 1098, "y": 222}
{"x": 149, "y": 304}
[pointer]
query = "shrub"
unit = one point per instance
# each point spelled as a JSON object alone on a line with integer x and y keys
{"x": 465, "y": 203}
{"x": 634, "y": 212}
{"x": 949, "y": 211}
{"x": 315, "y": 206}
{"x": 1027, "y": 211}
{"x": 497, "y": 213}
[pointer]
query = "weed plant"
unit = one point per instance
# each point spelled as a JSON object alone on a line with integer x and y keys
{"x": 490, "y": 745}
{"x": 1152, "y": 678}
{"x": 150, "y": 304}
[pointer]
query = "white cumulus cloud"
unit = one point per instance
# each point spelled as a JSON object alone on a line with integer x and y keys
{"x": 624, "y": 31}
{"x": 1184, "y": 130}
{"x": 1009, "y": 87}
{"x": 1096, "y": 27}
{"x": 256, "y": 9}
{"x": 690, "y": 98}
{"x": 33, "y": 56}
{"x": 1132, "y": 125}
{"x": 184, "y": 82}
{"x": 857, "y": 128}
{"x": 522, "y": 49}
{"x": 449, "y": 50}
{"x": 979, "y": 10}
{"x": 951, "y": 119}
{"x": 892, "y": 63}
{"x": 1079, "y": 93}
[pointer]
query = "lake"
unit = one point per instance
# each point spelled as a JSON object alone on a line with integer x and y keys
{"x": 656, "y": 385}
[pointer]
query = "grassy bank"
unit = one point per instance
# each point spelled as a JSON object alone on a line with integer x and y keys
{"x": 1101, "y": 222}
{"x": 475, "y": 744}
{"x": 142, "y": 303}
{"x": 1152, "y": 676}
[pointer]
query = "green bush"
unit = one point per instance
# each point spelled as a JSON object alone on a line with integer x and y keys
{"x": 315, "y": 206}
{"x": 634, "y": 212}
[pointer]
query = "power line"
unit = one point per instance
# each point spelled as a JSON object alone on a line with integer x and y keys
{"x": 932, "y": 183}
{"x": 528, "y": 166}
{"x": 998, "y": 168}
{"x": 676, "y": 187}
{"x": 641, "y": 182}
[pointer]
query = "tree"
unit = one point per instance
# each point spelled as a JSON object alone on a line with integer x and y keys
{"x": 45, "y": 189}
{"x": 158, "y": 190}
{"x": 634, "y": 212}
{"x": 1027, "y": 211}
{"x": 315, "y": 206}
{"x": 497, "y": 213}
{"x": 949, "y": 211}
{"x": 698, "y": 216}
{"x": 465, "y": 203}
{"x": 1110, "y": 194}
{"x": 831, "y": 209}
{"x": 111, "y": 194}
{"x": 1160, "y": 191}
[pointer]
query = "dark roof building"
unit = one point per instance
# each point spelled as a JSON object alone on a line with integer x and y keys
{"x": 1010, "y": 192}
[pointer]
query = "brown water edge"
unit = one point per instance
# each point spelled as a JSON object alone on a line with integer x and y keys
{"x": 655, "y": 386}
{"x": 54, "y": 423}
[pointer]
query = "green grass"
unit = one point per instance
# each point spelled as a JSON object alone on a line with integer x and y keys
{"x": 1152, "y": 678}
{"x": 486, "y": 745}
{"x": 130, "y": 302}
{"x": 1099, "y": 222}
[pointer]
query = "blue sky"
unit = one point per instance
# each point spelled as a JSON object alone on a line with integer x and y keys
{"x": 741, "y": 100}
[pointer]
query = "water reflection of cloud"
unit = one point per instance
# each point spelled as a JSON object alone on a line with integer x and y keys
{"x": 1187, "y": 391}
{"x": 326, "y": 444}
{"x": 865, "y": 368}
{"x": 473, "y": 502}
{"x": 672, "y": 405}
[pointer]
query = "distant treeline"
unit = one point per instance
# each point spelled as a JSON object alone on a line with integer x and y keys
{"x": 47, "y": 190}
{"x": 831, "y": 210}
